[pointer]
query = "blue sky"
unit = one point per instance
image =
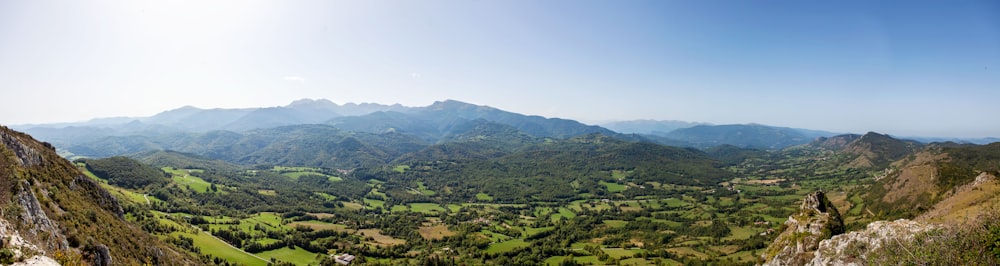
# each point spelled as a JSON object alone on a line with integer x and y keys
{"x": 910, "y": 68}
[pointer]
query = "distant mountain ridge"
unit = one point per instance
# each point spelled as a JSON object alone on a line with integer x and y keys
{"x": 430, "y": 123}
{"x": 746, "y": 136}
{"x": 652, "y": 127}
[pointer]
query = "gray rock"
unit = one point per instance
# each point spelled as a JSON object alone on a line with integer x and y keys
{"x": 853, "y": 248}
{"x": 102, "y": 255}
{"x": 816, "y": 220}
{"x": 38, "y": 225}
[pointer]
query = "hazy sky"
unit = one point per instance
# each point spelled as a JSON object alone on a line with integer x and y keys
{"x": 927, "y": 68}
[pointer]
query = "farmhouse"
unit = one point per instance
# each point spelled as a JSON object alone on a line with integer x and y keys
{"x": 344, "y": 259}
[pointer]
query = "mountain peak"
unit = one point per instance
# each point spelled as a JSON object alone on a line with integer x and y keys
{"x": 453, "y": 104}
{"x": 306, "y": 102}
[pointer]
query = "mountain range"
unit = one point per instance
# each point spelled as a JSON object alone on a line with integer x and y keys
{"x": 430, "y": 124}
{"x": 299, "y": 181}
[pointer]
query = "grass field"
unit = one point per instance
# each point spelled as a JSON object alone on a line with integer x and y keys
{"x": 185, "y": 180}
{"x": 615, "y": 223}
{"x": 563, "y": 212}
{"x": 427, "y": 208}
{"x": 215, "y": 247}
{"x": 435, "y": 232}
{"x": 374, "y": 203}
{"x": 268, "y": 220}
{"x": 325, "y": 196}
{"x": 619, "y": 174}
{"x": 296, "y": 256}
{"x": 618, "y": 253}
{"x": 506, "y": 246}
{"x": 530, "y": 231}
{"x": 353, "y": 206}
{"x": 613, "y": 187}
{"x": 639, "y": 261}
{"x": 586, "y": 260}
{"x": 423, "y": 189}
{"x": 379, "y": 238}
{"x": 742, "y": 232}
{"x": 483, "y": 197}
{"x": 674, "y": 202}
{"x": 318, "y": 225}
{"x": 687, "y": 251}
{"x": 401, "y": 168}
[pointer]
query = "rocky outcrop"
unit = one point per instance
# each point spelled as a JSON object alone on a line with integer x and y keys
{"x": 853, "y": 248}
{"x": 102, "y": 256}
{"x": 816, "y": 220}
{"x": 24, "y": 154}
{"x": 49, "y": 208}
{"x": 38, "y": 225}
{"x": 11, "y": 239}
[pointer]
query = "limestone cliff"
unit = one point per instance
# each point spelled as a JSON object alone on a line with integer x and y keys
{"x": 853, "y": 248}
{"x": 816, "y": 220}
{"x": 51, "y": 213}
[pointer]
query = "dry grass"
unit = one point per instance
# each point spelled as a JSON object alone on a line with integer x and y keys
{"x": 839, "y": 200}
{"x": 917, "y": 177}
{"x": 687, "y": 251}
{"x": 320, "y": 215}
{"x": 764, "y": 181}
{"x": 725, "y": 250}
{"x": 976, "y": 241}
{"x": 317, "y": 225}
{"x": 380, "y": 239}
{"x": 435, "y": 232}
{"x": 967, "y": 202}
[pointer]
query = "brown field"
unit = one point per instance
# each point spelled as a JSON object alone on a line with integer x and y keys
{"x": 764, "y": 181}
{"x": 839, "y": 200}
{"x": 435, "y": 232}
{"x": 687, "y": 251}
{"x": 320, "y": 214}
{"x": 729, "y": 249}
{"x": 317, "y": 225}
{"x": 352, "y": 206}
{"x": 627, "y": 208}
{"x": 380, "y": 239}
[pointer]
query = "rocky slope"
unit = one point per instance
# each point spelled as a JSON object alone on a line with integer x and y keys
{"x": 856, "y": 247}
{"x": 48, "y": 208}
{"x": 817, "y": 220}
{"x": 962, "y": 228}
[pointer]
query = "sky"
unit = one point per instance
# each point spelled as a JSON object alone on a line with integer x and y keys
{"x": 909, "y": 68}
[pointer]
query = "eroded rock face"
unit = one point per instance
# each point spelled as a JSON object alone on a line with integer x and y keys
{"x": 38, "y": 225}
{"x": 102, "y": 255}
{"x": 25, "y": 155}
{"x": 816, "y": 220}
{"x": 853, "y": 248}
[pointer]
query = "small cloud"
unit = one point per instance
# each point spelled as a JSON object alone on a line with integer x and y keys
{"x": 415, "y": 75}
{"x": 295, "y": 79}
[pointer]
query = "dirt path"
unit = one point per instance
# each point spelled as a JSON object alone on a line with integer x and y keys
{"x": 146, "y": 196}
